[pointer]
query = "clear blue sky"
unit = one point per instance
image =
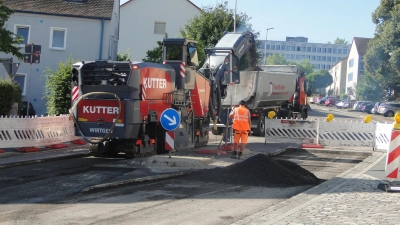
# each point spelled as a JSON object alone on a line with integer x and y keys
{"x": 318, "y": 20}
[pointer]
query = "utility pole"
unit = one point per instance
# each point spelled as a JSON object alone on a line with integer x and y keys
{"x": 265, "y": 45}
{"x": 234, "y": 18}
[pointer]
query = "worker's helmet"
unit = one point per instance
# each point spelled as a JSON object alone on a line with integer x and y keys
{"x": 242, "y": 102}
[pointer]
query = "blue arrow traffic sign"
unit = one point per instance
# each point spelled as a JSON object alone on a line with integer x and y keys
{"x": 170, "y": 119}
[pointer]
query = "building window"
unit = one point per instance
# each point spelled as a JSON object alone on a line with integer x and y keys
{"x": 313, "y": 57}
{"x": 328, "y": 66}
{"x": 159, "y": 27}
{"x": 318, "y": 66}
{"x": 350, "y": 77}
{"x": 20, "y": 80}
{"x": 318, "y": 58}
{"x": 334, "y": 59}
{"x": 308, "y": 49}
{"x": 344, "y": 51}
{"x": 340, "y": 51}
{"x": 329, "y": 50}
{"x": 287, "y": 48}
{"x": 313, "y": 49}
{"x": 298, "y": 48}
{"x": 303, "y": 49}
{"x": 351, "y": 63}
{"x": 323, "y": 66}
{"x": 324, "y": 50}
{"x": 23, "y": 31}
{"x": 293, "y": 48}
{"x": 58, "y": 38}
{"x": 287, "y": 56}
{"x": 278, "y": 47}
{"x": 298, "y": 57}
{"x": 283, "y": 47}
{"x": 318, "y": 49}
{"x": 272, "y": 47}
{"x": 303, "y": 57}
{"x": 292, "y": 56}
{"x": 334, "y": 50}
{"x": 328, "y": 58}
{"x": 308, "y": 57}
{"x": 323, "y": 58}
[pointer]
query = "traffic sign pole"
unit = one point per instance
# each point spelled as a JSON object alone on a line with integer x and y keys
{"x": 170, "y": 120}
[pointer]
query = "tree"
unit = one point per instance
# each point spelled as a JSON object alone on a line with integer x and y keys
{"x": 339, "y": 41}
{"x": 368, "y": 89}
{"x": 209, "y": 27}
{"x": 305, "y": 66}
{"x": 277, "y": 59}
{"x": 382, "y": 59}
{"x": 319, "y": 79}
{"x": 58, "y": 88}
{"x": 8, "y": 39}
{"x": 125, "y": 57}
{"x": 155, "y": 55}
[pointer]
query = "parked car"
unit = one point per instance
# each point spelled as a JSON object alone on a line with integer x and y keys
{"x": 388, "y": 109}
{"x": 330, "y": 102}
{"x": 357, "y": 105}
{"x": 342, "y": 104}
{"x": 367, "y": 107}
{"x": 312, "y": 100}
{"x": 32, "y": 111}
{"x": 375, "y": 109}
{"x": 321, "y": 101}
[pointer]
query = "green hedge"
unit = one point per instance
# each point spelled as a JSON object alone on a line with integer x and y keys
{"x": 10, "y": 93}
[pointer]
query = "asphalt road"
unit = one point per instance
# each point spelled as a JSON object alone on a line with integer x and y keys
{"x": 54, "y": 192}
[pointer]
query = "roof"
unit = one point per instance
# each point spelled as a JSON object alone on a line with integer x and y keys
{"x": 361, "y": 44}
{"x": 186, "y": 0}
{"x": 90, "y": 9}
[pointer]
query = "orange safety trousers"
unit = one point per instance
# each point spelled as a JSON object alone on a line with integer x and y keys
{"x": 241, "y": 126}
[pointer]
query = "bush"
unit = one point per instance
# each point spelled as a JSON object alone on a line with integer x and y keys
{"x": 10, "y": 93}
{"x": 58, "y": 88}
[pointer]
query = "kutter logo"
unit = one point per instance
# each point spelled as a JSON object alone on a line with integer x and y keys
{"x": 100, "y": 110}
{"x": 160, "y": 83}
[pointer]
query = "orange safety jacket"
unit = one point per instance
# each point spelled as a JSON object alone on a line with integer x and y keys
{"x": 241, "y": 118}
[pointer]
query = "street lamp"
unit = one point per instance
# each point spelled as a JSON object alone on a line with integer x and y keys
{"x": 234, "y": 18}
{"x": 265, "y": 45}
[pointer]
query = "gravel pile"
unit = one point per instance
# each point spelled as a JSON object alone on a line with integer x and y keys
{"x": 259, "y": 170}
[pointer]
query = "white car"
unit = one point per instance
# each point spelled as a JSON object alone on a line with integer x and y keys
{"x": 342, "y": 105}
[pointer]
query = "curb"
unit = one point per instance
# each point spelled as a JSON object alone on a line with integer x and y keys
{"x": 77, "y": 155}
{"x": 331, "y": 151}
{"x": 100, "y": 187}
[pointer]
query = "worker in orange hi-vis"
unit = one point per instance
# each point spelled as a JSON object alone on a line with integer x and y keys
{"x": 241, "y": 127}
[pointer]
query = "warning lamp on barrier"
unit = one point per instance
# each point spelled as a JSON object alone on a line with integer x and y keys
{"x": 396, "y": 124}
{"x": 367, "y": 119}
{"x": 271, "y": 114}
{"x": 329, "y": 117}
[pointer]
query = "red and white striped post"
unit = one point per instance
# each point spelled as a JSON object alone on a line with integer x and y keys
{"x": 169, "y": 141}
{"x": 75, "y": 93}
{"x": 393, "y": 157}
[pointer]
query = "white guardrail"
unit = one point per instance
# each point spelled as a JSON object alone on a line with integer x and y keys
{"x": 18, "y": 132}
{"x": 334, "y": 133}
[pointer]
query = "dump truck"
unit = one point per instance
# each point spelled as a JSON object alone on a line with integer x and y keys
{"x": 278, "y": 88}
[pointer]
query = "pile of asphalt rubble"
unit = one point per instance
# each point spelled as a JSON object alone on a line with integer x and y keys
{"x": 259, "y": 170}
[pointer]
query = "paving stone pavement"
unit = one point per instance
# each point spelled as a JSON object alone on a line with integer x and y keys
{"x": 350, "y": 198}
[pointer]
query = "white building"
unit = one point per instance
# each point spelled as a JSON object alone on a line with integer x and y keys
{"x": 321, "y": 56}
{"x": 338, "y": 73}
{"x": 144, "y": 22}
{"x": 81, "y": 29}
{"x": 355, "y": 68}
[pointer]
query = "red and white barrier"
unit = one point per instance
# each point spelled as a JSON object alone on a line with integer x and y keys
{"x": 393, "y": 156}
{"x": 182, "y": 69}
{"x": 169, "y": 140}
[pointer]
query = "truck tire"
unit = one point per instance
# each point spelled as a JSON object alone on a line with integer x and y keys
{"x": 260, "y": 130}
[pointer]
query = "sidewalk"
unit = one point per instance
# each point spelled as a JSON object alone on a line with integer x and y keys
{"x": 350, "y": 198}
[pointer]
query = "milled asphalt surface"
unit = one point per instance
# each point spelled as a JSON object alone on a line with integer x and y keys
{"x": 350, "y": 198}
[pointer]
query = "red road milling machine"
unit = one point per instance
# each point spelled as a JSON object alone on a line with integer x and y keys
{"x": 117, "y": 105}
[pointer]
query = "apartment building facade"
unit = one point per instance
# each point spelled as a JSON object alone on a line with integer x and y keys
{"x": 321, "y": 55}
